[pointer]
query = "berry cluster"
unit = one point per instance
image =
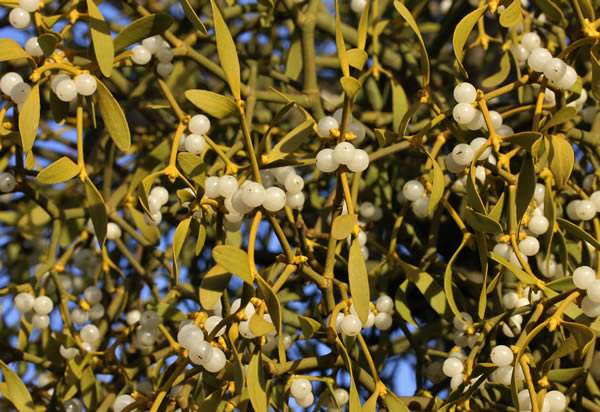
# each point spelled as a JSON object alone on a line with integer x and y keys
{"x": 20, "y": 17}
{"x": 194, "y": 142}
{"x": 41, "y": 306}
{"x": 301, "y": 391}
{"x": 155, "y": 45}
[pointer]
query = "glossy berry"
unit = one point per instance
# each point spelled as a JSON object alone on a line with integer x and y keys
{"x": 40, "y": 321}
{"x": 113, "y": 231}
{"x": 275, "y": 199}
{"x": 294, "y": 183}
{"x": 253, "y": 194}
{"x": 153, "y": 43}
{"x": 555, "y": 69}
{"x": 306, "y": 401}
{"x": 538, "y": 59}
{"x": 538, "y": 225}
{"x": 20, "y": 92}
{"x": 530, "y": 246}
{"x": 29, "y": 5}
{"x": 465, "y": 93}
{"x": 189, "y": 336}
{"x": 211, "y": 187}
{"x": 195, "y": 143}
{"x": 164, "y": 70}
{"x": 583, "y": 277}
{"x": 462, "y": 324}
{"x": 199, "y": 124}
{"x": 86, "y": 84}
{"x": 211, "y": 323}
{"x": 420, "y": 207}
{"x": 325, "y": 125}
{"x": 568, "y": 79}
{"x": 7, "y": 182}
{"x": 357, "y": 7}
{"x": 385, "y": 304}
{"x": 92, "y": 295}
{"x": 33, "y": 47}
{"x": 66, "y": 90}
{"x": 216, "y": 362}
{"x": 43, "y": 305}
{"x": 359, "y": 161}
{"x": 521, "y": 53}
{"x": 413, "y": 190}
{"x": 357, "y": 129}
{"x": 351, "y": 325}
{"x": 149, "y": 320}
{"x": 462, "y": 154}
{"x": 557, "y": 401}
{"x": 122, "y": 402}
{"x": 590, "y": 308}
{"x": 90, "y": 334}
{"x": 8, "y": 81}
{"x": 165, "y": 55}
{"x": 343, "y": 152}
{"x": 23, "y": 302}
{"x": 141, "y": 55}
{"x": 531, "y": 41}
{"x": 477, "y": 122}
{"x": 383, "y": 321}
{"x": 295, "y": 201}
{"x": 326, "y": 162}
{"x": 452, "y": 367}
{"x": 79, "y": 316}
{"x": 19, "y": 18}
{"x": 463, "y": 113}
{"x": 300, "y": 388}
{"x": 502, "y": 355}
{"x": 227, "y": 185}
{"x": 476, "y": 145}
{"x": 593, "y": 291}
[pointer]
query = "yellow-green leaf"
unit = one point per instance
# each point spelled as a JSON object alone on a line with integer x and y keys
{"x": 481, "y": 222}
{"x": 227, "y": 52}
{"x": 525, "y": 185}
{"x": 524, "y": 139}
{"x": 101, "y": 38}
{"x": 578, "y": 232}
{"x": 214, "y": 283}
{"x": 274, "y": 307}
{"x": 342, "y": 226}
{"x": 520, "y": 273}
{"x": 359, "y": 281}
{"x": 448, "y": 284}
{"x": 408, "y": 17}
{"x": 113, "y": 116}
{"x": 294, "y": 59}
{"x": 399, "y": 105}
{"x": 29, "y": 118}
{"x": 10, "y": 50}
{"x": 437, "y": 190}
{"x": 497, "y": 78}
{"x": 15, "y": 390}
{"x": 584, "y": 336}
{"x": 58, "y": 172}
{"x": 395, "y": 404}
{"x": 259, "y": 326}
{"x": 150, "y": 232}
{"x": 339, "y": 42}
{"x": 357, "y": 58}
{"x": 512, "y": 16}
{"x": 215, "y": 104}
{"x": 192, "y": 16}
{"x": 290, "y": 141}
{"x": 193, "y": 167}
{"x": 309, "y": 326}
{"x": 142, "y": 28}
{"x": 561, "y": 159}
{"x": 350, "y": 85}
{"x": 461, "y": 34}
{"x": 96, "y": 209}
{"x": 401, "y": 304}
{"x": 256, "y": 383}
{"x": 552, "y": 11}
{"x": 429, "y": 288}
{"x": 89, "y": 388}
{"x": 595, "y": 60}
{"x": 361, "y": 32}
{"x": 235, "y": 261}
{"x": 48, "y": 42}
{"x": 563, "y": 115}
{"x": 178, "y": 240}
{"x": 371, "y": 404}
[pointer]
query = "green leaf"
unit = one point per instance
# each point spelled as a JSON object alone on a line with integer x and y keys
{"x": 496, "y": 211}
{"x": 565, "y": 375}
{"x": 178, "y": 240}
{"x": 512, "y": 16}
{"x": 215, "y": 104}
{"x": 595, "y": 60}
{"x": 562, "y": 284}
{"x": 214, "y": 283}
{"x": 399, "y": 104}
{"x": 359, "y": 281}
{"x": 461, "y": 34}
{"x": 101, "y": 38}
{"x": 521, "y": 274}
{"x": 15, "y": 390}
{"x": 561, "y": 159}
{"x": 481, "y": 222}
{"x": 193, "y": 166}
{"x": 552, "y": 11}
{"x": 587, "y": 9}
{"x": 401, "y": 304}
{"x": 227, "y": 52}
{"x": 201, "y": 239}
{"x": 48, "y": 42}
{"x": 256, "y": 384}
{"x": 58, "y": 172}
{"x": 294, "y": 60}
{"x": 350, "y": 85}
{"x": 342, "y": 226}
{"x": 584, "y": 335}
{"x": 10, "y": 50}
{"x": 290, "y": 142}
{"x": 141, "y": 29}
{"x": 410, "y": 20}
{"x": 394, "y": 403}
{"x": 357, "y": 58}
{"x": 59, "y": 109}
{"x": 96, "y": 209}
{"x": 525, "y": 185}
{"x": 89, "y": 388}
{"x": 309, "y": 326}
{"x": 259, "y": 326}
{"x": 448, "y": 286}
{"x": 150, "y": 232}
{"x": 371, "y": 404}
{"x": 192, "y": 16}
{"x": 437, "y": 190}
{"x": 235, "y": 261}
{"x": 578, "y": 232}
{"x": 114, "y": 118}
{"x": 523, "y": 139}
{"x": 429, "y": 288}
{"x": 29, "y": 118}
{"x": 566, "y": 348}
{"x": 363, "y": 25}
{"x": 339, "y": 42}
{"x": 563, "y": 115}
{"x": 274, "y": 307}
{"x": 497, "y": 78}
{"x": 473, "y": 196}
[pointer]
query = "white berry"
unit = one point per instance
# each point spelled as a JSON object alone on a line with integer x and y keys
{"x": 463, "y": 113}
{"x": 326, "y": 162}
{"x": 8, "y": 81}
{"x": 359, "y": 161}
{"x": 43, "y": 305}
{"x": 351, "y": 325}
{"x": 452, "y": 367}
{"x": 33, "y": 47}
{"x": 20, "y": 92}
{"x": 19, "y": 18}
{"x": 343, "y": 152}
{"x": 141, "y": 55}
{"x": 86, "y": 84}
{"x": 583, "y": 277}
{"x": 325, "y": 125}
{"x": 300, "y": 388}
{"x": 538, "y": 59}
{"x": 195, "y": 143}
{"x": 24, "y": 302}
{"x": 531, "y": 41}
{"x": 502, "y": 355}
{"x": 66, "y": 90}
{"x": 199, "y": 124}
{"x": 465, "y": 93}
{"x": 275, "y": 199}
{"x": 90, "y": 334}
{"x": 555, "y": 69}
{"x": 462, "y": 154}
